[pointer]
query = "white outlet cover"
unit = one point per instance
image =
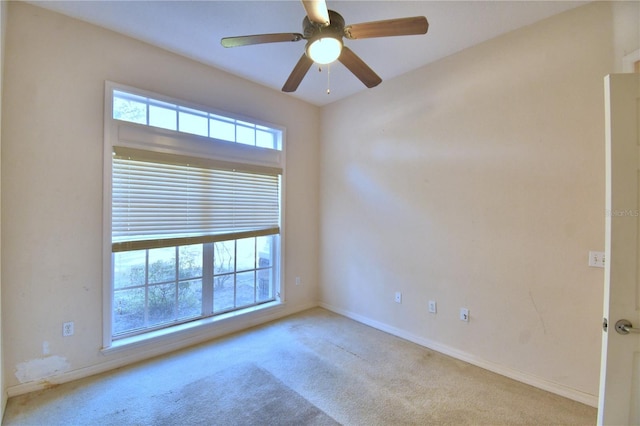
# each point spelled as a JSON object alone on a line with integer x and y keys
{"x": 433, "y": 306}
{"x": 464, "y": 314}
{"x": 67, "y": 329}
{"x": 398, "y": 297}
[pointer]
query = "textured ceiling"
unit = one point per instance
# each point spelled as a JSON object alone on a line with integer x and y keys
{"x": 194, "y": 29}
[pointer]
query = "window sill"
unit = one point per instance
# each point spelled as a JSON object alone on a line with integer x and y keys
{"x": 196, "y": 330}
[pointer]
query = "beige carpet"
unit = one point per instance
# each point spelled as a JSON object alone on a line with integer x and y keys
{"x": 314, "y": 368}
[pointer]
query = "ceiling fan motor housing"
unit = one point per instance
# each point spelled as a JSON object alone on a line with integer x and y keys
{"x": 313, "y": 31}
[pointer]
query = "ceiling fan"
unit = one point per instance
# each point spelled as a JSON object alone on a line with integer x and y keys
{"x": 324, "y": 29}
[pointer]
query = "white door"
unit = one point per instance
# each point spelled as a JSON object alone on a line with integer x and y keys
{"x": 620, "y": 371}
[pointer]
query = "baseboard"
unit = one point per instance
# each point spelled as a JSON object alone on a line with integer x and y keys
{"x": 144, "y": 353}
{"x": 556, "y": 388}
{"x": 240, "y": 325}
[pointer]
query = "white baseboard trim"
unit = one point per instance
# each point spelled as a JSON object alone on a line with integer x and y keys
{"x": 137, "y": 354}
{"x": 556, "y": 388}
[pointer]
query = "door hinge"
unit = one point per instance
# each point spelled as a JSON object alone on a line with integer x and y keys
{"x": 605, "y": 324}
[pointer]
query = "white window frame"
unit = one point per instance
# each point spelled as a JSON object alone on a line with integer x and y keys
{"x": 141, "y": 136}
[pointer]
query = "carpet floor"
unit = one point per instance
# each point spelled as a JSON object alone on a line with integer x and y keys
{"x": 313, "y": 368}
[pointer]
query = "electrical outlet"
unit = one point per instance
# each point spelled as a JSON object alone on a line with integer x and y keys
{"x": 433, "y": 308}
{"x": 596, "y": 259}
{"x": 398, "y": 297}
{"x": 464, "y": 314}
{"x": 67, "y": 328}
{"x": 297, "y": 280}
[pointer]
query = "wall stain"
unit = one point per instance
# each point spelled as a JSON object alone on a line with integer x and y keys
{"x": 533, "y": 302}
{"x": 41, "y": 368}
{"x": 48, "y": 385}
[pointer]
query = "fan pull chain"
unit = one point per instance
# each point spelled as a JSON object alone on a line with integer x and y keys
{"x": 328, "y": 77}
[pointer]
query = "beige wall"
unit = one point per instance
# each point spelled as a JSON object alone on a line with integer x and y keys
{"x": 52, "y": 180}
{"x": 3, "y": 27}
{"x": 626, "y": 30}
{"x": 478, "y": 182}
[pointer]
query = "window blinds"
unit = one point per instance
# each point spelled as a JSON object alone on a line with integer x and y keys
{"x": 163, "y": 200}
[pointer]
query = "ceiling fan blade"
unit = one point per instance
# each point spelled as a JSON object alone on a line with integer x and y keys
{"x": 259, "y": 39}
{"x": 359, "y": 68}
{"x": 317, "y": 11}
{"x": 298, "y": 73}
{"x": 388, "y": 28}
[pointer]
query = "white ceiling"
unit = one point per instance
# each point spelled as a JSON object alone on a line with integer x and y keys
{"x": 194, "y": 29}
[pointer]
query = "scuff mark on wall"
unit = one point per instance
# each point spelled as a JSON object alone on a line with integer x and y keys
{"x": 40, "y": 368}
{"x": 544, "y": 328}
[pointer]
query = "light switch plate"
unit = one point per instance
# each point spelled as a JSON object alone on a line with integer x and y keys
{"x": 596, "y": 259}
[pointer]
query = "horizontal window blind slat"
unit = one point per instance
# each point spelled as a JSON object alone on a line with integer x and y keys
{"x": 159, "y": 200}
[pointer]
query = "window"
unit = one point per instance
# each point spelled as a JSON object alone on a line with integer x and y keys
{"x": 194, "y": 202}
{"x": 168, "y": 115}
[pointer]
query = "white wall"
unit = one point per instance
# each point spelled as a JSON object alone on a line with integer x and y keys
{"x": 478, "y": 182}
{"x": 52, "y": 180}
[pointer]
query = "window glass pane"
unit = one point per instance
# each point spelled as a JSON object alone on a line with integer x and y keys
{"x": 265, "y": 139}
{"x": 162, "y": 303}
{"x": 246, "y": 254}
{"x": 265, "y": 261}
{"x": 168, "y": 283}
{"x": 223, "y": 292}
{"x": 265, "y": 285}
{"x": 153, "y": 112}
{"x": 190, "y": 261}
{"x": 264, "y": 253}
{"x": 129, "y": 110}
{"x": 190, "y": 299}
{"x": 128, "y": 268}
{"x": 162, "y": 265}
{"x": 128, "y": 310}
{"x": 162, "y": 117}
{"x": 194, "y": 124}
{"x": 245, "y": 288}
{"x": 223, "y": 130}
{"x": 223, "y": 257}
{"x": 246, "y": 135}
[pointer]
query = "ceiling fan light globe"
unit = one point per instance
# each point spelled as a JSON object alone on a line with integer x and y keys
{"x": 324, "y": 50}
